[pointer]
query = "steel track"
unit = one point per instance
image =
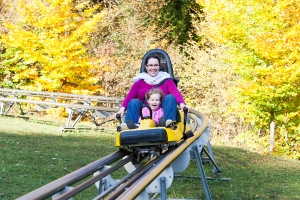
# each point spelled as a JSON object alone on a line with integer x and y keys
{"x": 200, "y": 125}
{"x": 59, "y": 184}
{"x": 130, "y": 185}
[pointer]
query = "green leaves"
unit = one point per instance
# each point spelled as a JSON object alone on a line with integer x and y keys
{"x": 263, "y": 40}
{"x": 177, "y": 17}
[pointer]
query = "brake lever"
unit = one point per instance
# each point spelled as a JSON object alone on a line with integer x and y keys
{"x": 118, "y": 116}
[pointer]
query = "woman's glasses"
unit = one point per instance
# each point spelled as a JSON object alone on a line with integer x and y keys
{"x": 155, "y": 65}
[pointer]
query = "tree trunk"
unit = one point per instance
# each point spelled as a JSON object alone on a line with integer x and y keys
{"x": 272, "y": 132}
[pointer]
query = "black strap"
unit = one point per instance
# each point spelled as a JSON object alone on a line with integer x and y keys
{"x": 162, "y": 82}
{"x": 141, "y": 112}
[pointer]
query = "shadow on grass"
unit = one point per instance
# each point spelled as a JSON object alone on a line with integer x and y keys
{"x": 253, "y": 176}
{"x": 29, "y": 161}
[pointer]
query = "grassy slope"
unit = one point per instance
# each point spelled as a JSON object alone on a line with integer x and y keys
{"x": 34, "y": 153}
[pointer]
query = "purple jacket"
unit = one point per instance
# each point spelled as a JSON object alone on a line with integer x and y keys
{"x": 139, "y": 89}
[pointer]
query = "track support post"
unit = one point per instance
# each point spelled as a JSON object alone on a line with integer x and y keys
{"x": 102, "y": 185}
{"x": 163, "y": 188}
{"x": 202, "y": 174}
{"x": 79, "y": 117}
{"x": 9, "y": 107}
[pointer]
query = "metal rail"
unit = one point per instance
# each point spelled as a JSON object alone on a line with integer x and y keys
{"x": 59, "y": 184}
{"x": 56, "y": 95}
{"x": 102, "y": 194}
{"x": 142, "y": 171}
{"x": 98, "y": 106}
{"x": 56, "y": 104}
{"x": 147, "y": 178}
{"x": 134, "y": 183}
{"x": 96, "y": 178}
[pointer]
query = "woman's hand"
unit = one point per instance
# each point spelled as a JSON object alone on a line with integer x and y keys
{"x": 182, "y": 105}
{"x": 121, "y": 111}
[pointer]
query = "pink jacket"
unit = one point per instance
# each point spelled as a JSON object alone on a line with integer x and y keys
{"x": 156, "y": 114}
{"x": 139, "y": 89}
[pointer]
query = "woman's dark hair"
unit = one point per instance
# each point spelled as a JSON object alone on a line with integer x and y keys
{"x": 152, "y": 56}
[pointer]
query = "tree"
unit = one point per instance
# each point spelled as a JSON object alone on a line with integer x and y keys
{"x": 45, "y": 46}
{"x": 263, "y": 46}
{"x": 177, "y": 18}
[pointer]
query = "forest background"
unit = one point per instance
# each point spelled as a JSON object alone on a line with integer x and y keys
{"x": 237, "y": 61}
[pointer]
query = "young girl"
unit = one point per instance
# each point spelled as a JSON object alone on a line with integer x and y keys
{"x": 154, "y": 98}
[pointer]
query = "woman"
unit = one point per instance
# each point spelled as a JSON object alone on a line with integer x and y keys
{"x": 144, "y": 82}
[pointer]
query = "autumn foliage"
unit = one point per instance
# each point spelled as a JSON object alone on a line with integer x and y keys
{"x": 45, "y": 47}
{"x": 237, "y": 61}
{"x": 263, "y": 47}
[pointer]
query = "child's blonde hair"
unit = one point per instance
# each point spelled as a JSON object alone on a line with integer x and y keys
{"x": 155, "y": 91}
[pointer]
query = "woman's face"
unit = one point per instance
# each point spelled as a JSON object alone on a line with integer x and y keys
{"x": 152, "y": 67}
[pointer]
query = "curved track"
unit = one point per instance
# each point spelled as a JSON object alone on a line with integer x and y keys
{"x": 131, "y": 185}
{"x": 59, "y": 184}
{"x": 200, "y": 124}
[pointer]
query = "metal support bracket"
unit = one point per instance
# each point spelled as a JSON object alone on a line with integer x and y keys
{"x": 64, "y": 190}
{"x": 202, "y": 174}
{"x": 163, "y": 188}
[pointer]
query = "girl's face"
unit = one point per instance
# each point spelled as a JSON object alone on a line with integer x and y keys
{"x": 154, "y": 101}
{"x": 152, "y": 67}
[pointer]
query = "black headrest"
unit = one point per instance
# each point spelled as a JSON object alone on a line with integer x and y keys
{"x": 165, "y": 62}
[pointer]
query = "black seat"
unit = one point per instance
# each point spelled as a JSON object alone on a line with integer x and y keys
{"x": 154, "y": 135}
{"x": 165, "y": 63}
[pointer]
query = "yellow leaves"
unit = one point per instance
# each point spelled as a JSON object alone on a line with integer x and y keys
{"x": 262, "y": 40}
{"x": 258, "y": 31}
{"x": 271, "y": 30}
{"x": 28, "y": 73}
{"x": 53, "y": 34}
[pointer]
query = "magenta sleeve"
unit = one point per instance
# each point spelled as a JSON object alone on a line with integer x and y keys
{"x": 172, "y": 89}
{"x": 132, "y": 94}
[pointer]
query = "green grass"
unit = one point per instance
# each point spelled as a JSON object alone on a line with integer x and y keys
{"x": 35, "y": 152}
